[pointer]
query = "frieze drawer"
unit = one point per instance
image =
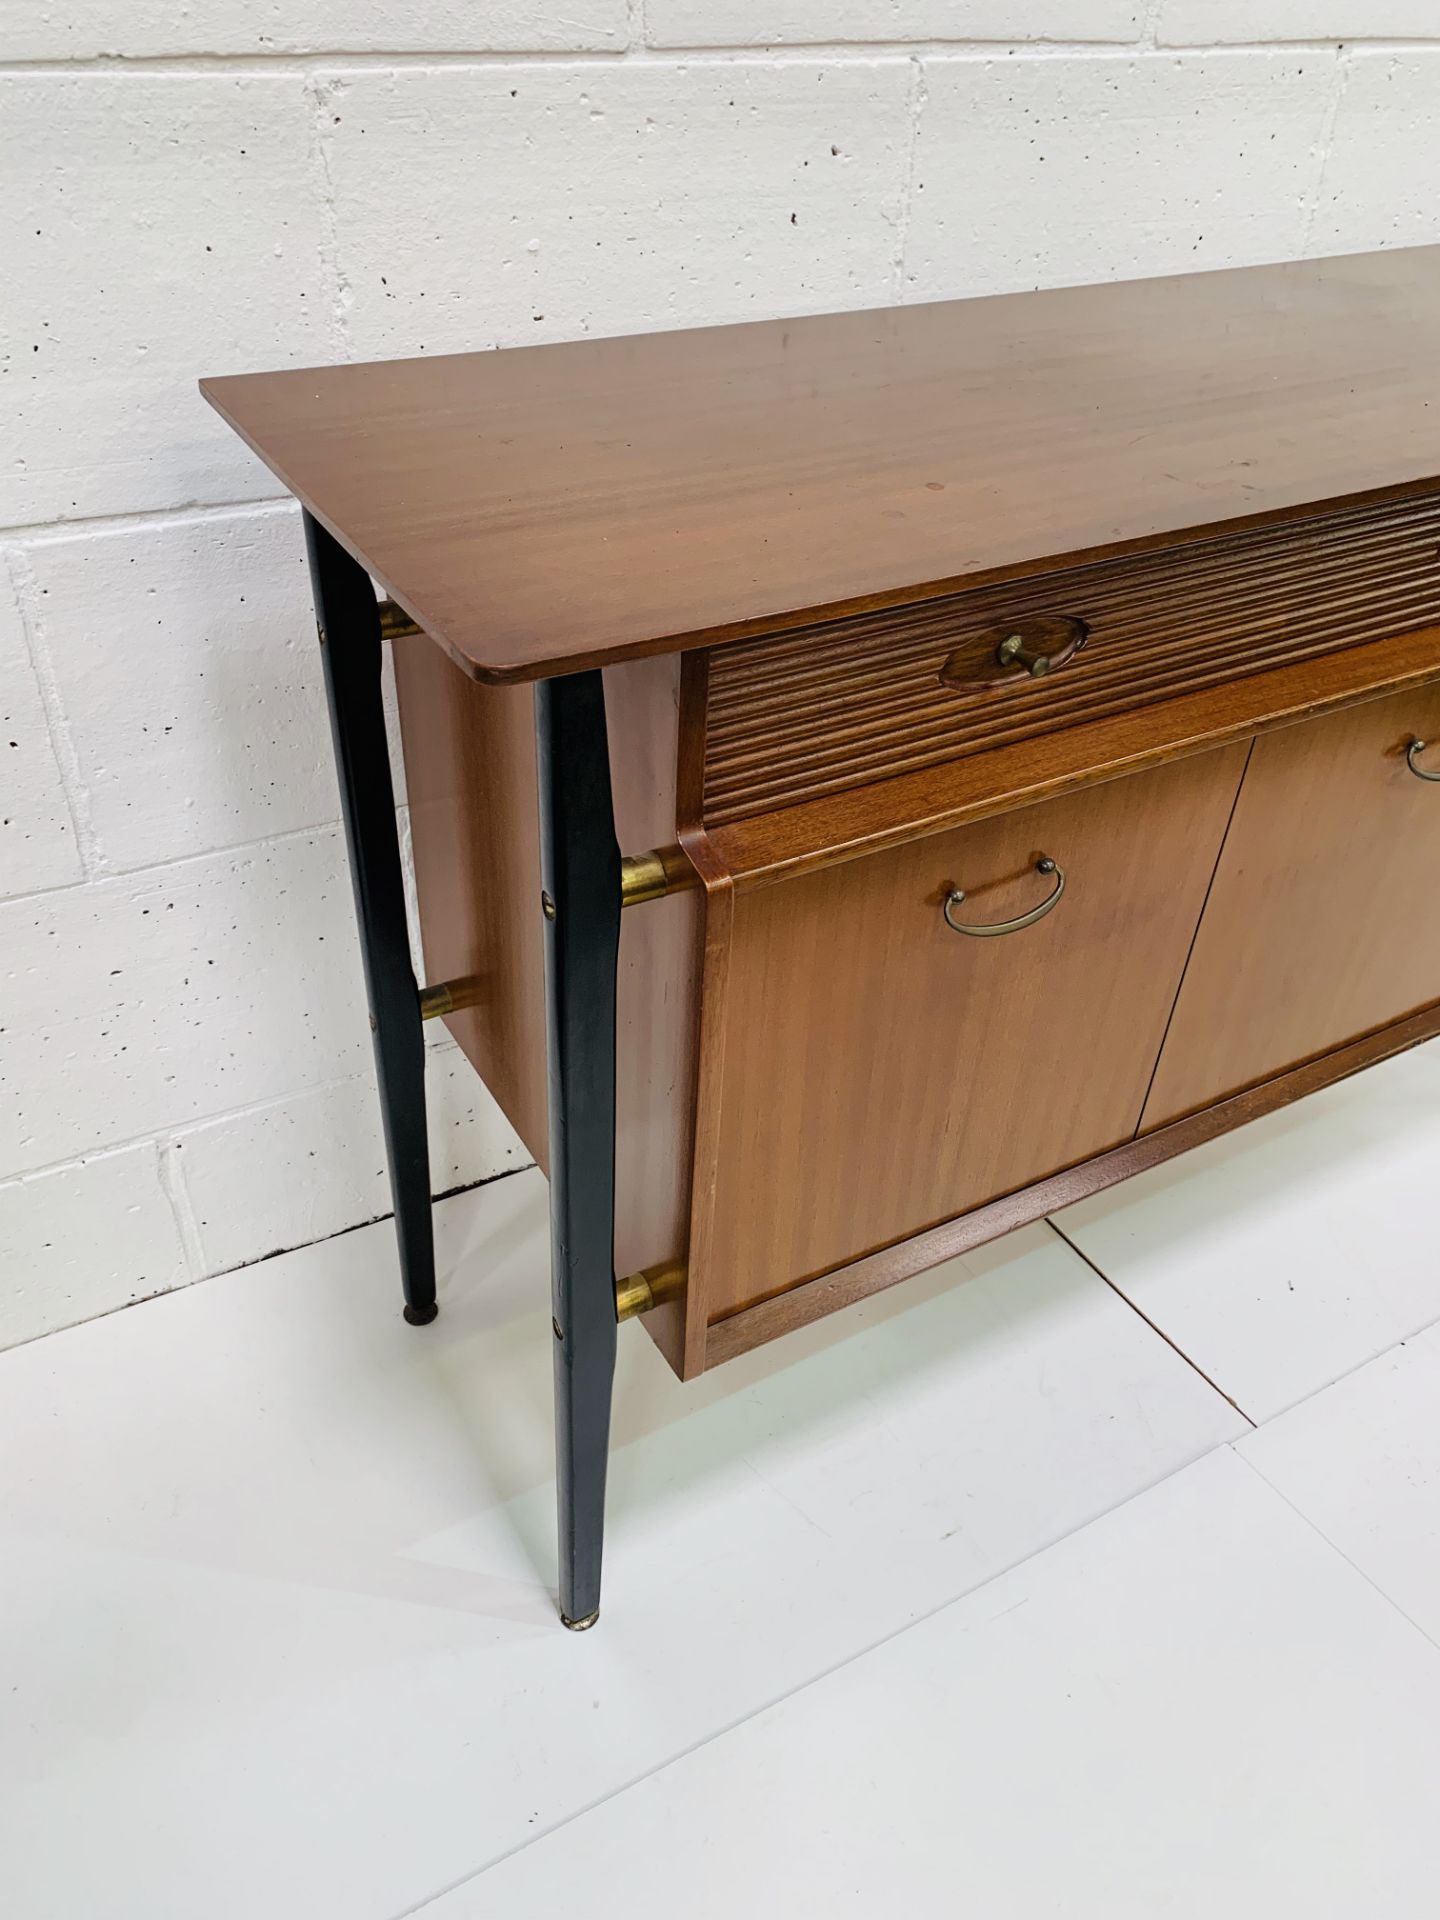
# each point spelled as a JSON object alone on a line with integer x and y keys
{"x": 794, "y": 716}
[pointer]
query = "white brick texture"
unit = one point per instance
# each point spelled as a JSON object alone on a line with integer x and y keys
{"x": 37, "y": 835}
{"x": 1381, "y": 185}
{"x": 136, "y": 28}
{"x": 155, "y": 227}
{"x": 613, "y": 199}
{"x": 296, "y": 1170}
{"x": 758, "y": 23}
{"x": 83, "y": 1240}
{"x": 185, "y": 658}
{"x": 211, "y": 186}
{"x": 136, "y": 1004}
{"x": 1202, "y": 22}
{"x": 1052, "y": 172}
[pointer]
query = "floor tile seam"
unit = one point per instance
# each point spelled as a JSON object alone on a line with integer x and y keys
{"x": 801, "y": 1686}
{"x": 1155, "y": 1328}
{"x": 1334, "y": 1547}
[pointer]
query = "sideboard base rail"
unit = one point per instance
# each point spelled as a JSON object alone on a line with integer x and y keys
{"x": 768, "y": 1319}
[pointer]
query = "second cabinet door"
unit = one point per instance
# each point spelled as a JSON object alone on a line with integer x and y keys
{"x": 1324, "y": 919}
{"x": 875, "y": 1072}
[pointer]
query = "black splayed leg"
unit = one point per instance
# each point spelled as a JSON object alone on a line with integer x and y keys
{"x": 580, "y": 877}
{"x": 349, "y": 621}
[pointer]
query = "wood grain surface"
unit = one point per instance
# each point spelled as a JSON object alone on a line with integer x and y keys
{"x": 657, "y": 993}
{"x": 838, "y": 706}
{"x": 755, "y": 1326}
{"x": 876, "y": 1073}
{"x": 850, "y": 823}
{"x": 475, "y": 839}
{"x": 1324, "y": 919}
{"x": 474, "y": 828}
{"x": 548, "y": 508}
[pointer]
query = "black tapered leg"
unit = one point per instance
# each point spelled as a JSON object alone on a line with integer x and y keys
{"x": 349, "y": 622}
{"x": 580, "y": 877}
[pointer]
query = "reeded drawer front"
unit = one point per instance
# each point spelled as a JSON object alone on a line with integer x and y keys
{"x": 795, "y": 716}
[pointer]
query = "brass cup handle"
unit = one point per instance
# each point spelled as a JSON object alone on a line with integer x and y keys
{"x": 957, "y": 896}
{"x": 1412, "y": 754}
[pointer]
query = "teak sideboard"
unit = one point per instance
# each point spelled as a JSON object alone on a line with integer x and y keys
{"x": 878, "y": 777}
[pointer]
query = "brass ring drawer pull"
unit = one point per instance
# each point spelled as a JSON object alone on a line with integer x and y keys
{"x": 957, "y": 896}
{"x": 1412, "y": 754}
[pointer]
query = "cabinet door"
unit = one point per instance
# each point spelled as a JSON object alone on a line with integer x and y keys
{"x": 1324, "y": 920}
{"x": 875, "y": 1072}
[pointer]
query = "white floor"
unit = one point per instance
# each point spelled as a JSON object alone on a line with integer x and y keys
{"x": 989, "y": 1596}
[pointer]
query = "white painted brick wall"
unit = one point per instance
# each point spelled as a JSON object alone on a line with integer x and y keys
{"x": 214, "y": 186}
{"x": 1383, "y": 191}
{"x": 131, "y": 29}
{"x": 37, "y": 833}
{"x": 1029, "y": 173}
{"x": 184, "y": 656}
{"x": 155, "y": 225}
{"x": 778, "y": 23}
{"x": 1254, "y": 22}
{"x": 615, "y": 198}
{"x": 83, "y": 1239}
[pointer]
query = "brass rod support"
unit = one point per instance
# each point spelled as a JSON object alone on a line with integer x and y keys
{"x": 647, "y": 1289}
{"x": 395, "y": 623}
{"x": 650, "y": 876}
{"x": 643, "y": 876}
{"x": 449, "y": 996}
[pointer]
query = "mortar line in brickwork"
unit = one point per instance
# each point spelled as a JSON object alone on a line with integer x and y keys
{"x": 34, "y": 533}
{"x": 802, "y": 50}
{"x": 203, "y": 1279}
{"x": 57, "y": 724}
{"x": 114, "y": 878}
{"x": 855, "y": 52}
{"x": 1310, "y": 206}
{"x": 914, "y": 106}
{"x": 172, "y": 1185}
{"x": 323, "y": 94}
{"x": 174, "y": 1134}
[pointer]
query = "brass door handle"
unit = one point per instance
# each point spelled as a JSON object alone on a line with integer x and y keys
{"x": 1412, "y": 753}
{"x": 1045, "y": 864}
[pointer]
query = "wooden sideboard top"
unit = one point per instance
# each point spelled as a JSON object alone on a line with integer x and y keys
{"x": 544, "y": 509}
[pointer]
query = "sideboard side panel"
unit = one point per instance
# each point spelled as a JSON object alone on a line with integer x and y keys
{"x": 475, "y": 835}
{"x": 657, "y": 994}
{"x": 474, "y": 825}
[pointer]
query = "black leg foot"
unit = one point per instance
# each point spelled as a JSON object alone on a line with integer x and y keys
{"x": 350, "y": 643}
{"x": 580, "y": 877}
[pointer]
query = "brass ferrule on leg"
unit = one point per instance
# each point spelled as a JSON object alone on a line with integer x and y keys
{"x": 641, "y": 1291}
{"x": 395, "y": 623}
{"x": 650, "y": 876}
{"x": 449, "y": 996}
{"x": 643, "y": 876}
